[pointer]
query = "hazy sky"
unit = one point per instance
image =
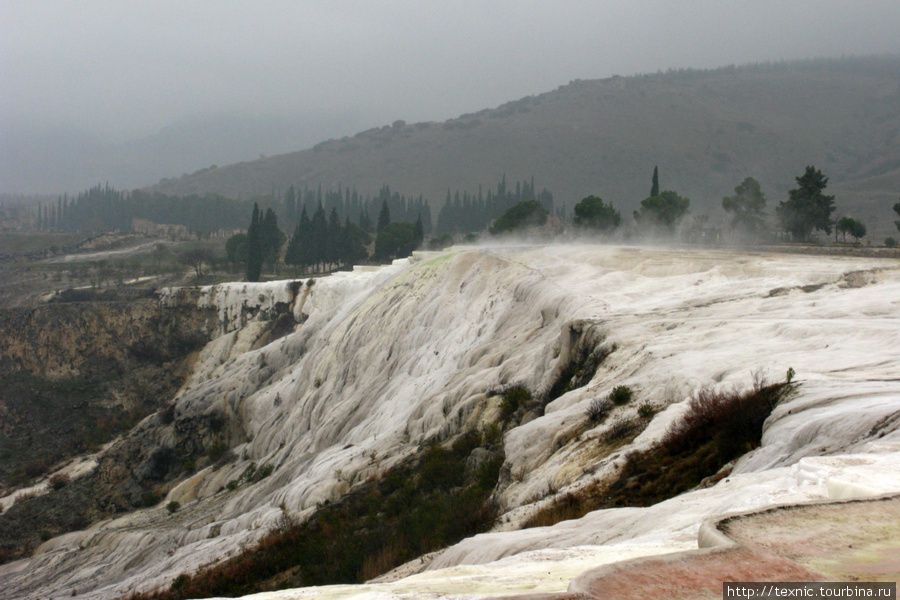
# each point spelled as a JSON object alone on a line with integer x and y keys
{"x": 127, "y": 68}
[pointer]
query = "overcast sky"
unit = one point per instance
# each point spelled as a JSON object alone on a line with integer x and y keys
{"x": 127, "y": 68}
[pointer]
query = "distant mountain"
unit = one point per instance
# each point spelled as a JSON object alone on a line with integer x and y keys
{"x": 66, "y": 159}
{"x": 707, "y": 131}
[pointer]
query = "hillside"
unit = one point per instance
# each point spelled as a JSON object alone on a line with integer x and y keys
{"x": 706, "y": 130}
{"x": 335, "y": 402}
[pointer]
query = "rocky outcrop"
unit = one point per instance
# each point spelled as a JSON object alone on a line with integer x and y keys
{"x": 93, "y": 339}
{"x": 74, "y": 376}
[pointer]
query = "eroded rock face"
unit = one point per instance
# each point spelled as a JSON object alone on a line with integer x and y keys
{"x": 93, "y": 339}
{"x": 72, "y": 377}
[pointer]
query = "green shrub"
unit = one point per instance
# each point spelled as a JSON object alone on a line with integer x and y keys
{"x": 529, "y": 213}
{"x": 167, "y": 414}
{"x": 263, "y": 472}
{"x": 514, "y": 397}
{"x": 621, "y": 394}
{"x": 217, "y": 452}
{"x": 59, "y": 481}
{"x": 646, "y": 410}
{"x": 890, "y": 242}
{"x": 173, "y": 506}
{"x": 150, "y": 498}
{"x": 492, "y": 435}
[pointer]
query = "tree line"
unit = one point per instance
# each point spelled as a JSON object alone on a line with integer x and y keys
{"x": 319, "y": 244}
{"x": 464, "y": 213}
{"x": 808, "y": 209}
{"x": 105, "y": 208}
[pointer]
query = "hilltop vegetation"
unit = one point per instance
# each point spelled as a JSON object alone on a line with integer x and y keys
{"x": 711, "y": 129}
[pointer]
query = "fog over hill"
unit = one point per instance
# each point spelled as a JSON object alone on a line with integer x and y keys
{"x": 707, "y": 131}
{"x": 39, "y": 160}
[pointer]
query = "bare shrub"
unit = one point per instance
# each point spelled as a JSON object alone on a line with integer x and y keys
{"x": 599, "y": 409}
{"x": 620, "y": 429}
{"x": 285, "y": 521}
{"x": 382, "y": 561}
{"x": 25, "y": 497}
{"x": 565, "y": 507}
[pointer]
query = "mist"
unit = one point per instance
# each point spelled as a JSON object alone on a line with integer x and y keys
{"x": 86, "y": 78}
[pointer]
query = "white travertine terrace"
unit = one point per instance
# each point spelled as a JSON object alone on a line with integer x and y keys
{"x": 386, "y": 359}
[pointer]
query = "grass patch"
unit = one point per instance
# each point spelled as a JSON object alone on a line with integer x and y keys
{"x": 23, "y": 242}
{"x": 428, "y": 503}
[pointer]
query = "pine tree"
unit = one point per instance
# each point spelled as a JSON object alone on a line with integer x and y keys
{"x": 807, "y": 207}
{"x": 747, "y": 205}
{"x": 254, "y": 246}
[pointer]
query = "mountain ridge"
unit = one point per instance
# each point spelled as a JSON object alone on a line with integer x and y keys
{"x": 706, "y": 129}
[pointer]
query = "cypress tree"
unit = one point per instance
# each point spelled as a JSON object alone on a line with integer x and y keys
{"x": 318, "y": 233}
{"x": 654, "y": 188}
{"x": 365, "y": 222}
{"x": 419, "y": 231}
{"x": 333, "y": 246}
{"x": 304, "y": 252}
{"x": 384, "y": 217}
{"x": 271, "y": 237}
{"x": 294, "y": 253}
{"x": 254, "y": 246}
